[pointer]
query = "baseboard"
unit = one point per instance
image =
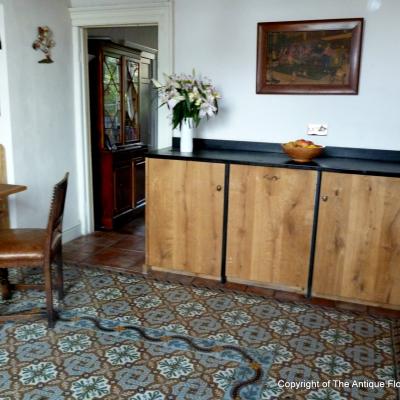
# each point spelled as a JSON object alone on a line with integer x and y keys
{"x": 180, "y": 272}
{"x": 273, "y": 286}
{"x": 72, "y": 233}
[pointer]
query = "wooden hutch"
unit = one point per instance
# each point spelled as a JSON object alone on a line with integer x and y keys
{"x": 120, "y": 102}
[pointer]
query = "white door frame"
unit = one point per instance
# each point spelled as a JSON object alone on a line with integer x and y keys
{"x": 148, "y": 12}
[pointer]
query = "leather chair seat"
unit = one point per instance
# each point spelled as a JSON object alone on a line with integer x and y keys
{"x": 19, "y": 247}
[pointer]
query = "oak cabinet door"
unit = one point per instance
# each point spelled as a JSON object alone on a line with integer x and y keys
{"x": 184, "y": 215}
{"x": 270, "y": 225}
{"x": 358, "y": 241}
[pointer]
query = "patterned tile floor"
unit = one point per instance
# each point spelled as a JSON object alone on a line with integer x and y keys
{"x": 302, "y": 344}
{"x": 123, "y": 250}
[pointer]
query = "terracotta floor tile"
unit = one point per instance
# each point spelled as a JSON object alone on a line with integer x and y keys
{"x": 113, "y": 235}
{"x": 136, "y": 227}
{"x": 135, "y": 269}
{"x": 117, "y": 258}
{"x": 289, "y": 296}
{"x": 81, "y": 246}
{"x": 139, "y": 231}
{"x": 341, "y": 305}
{"x": 159, "y": 275}
{"x": 322, "y": 302}
{"x": 210, "y": 283}
{"x": 178, "y": 278}
{"x": 260, "y": 291}
{"x": 135, "y": 230}
{"x": 74, "y": 255}
{"x": 95, "y": 239}
{"x": 130, "y": 242}
{"x": 128, "y": 270}
{"x": 239, "y": 287}
{"x": 383, "y": 312}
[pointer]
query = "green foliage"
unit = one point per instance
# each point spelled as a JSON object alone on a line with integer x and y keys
{"x": 188, "y": 97}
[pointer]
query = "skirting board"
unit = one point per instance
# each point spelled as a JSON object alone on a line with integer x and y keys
{"x": 72, "y": 233}
{"x": 148, "y": 268}
{"x": 272, "y": 286}
{"x": 356, "y": 301}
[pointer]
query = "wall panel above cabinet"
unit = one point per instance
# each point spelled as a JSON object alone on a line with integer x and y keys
{"x": 358, "y": 242}
{"x": 270, "y": 225}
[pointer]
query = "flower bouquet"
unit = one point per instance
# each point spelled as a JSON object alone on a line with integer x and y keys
{"x": 190, "y": 98}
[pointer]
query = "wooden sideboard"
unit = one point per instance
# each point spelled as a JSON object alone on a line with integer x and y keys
{"x": 305, "y": 229}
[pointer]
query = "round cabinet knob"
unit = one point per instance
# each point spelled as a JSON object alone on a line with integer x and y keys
{"x": 324, "y": 198}
{"x": 219, "y": 188}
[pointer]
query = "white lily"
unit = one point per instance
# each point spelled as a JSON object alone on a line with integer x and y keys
{"x": 174, "y": 101}
{"x": 207, "y": 109}
{"x": 197, "y": 93}
{"x": 157, "y": 84}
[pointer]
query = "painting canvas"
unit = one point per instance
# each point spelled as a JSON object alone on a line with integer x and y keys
{"x": 309, "y": 57}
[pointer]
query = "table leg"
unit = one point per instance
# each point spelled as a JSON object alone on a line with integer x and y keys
{"x": 5, "y": 284}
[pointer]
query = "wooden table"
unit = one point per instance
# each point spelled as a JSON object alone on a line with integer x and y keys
{"x": 7, "y": 189}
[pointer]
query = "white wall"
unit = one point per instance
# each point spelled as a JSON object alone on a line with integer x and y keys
{"x": 218, "y": 38}
{"x": 5, "y": 123}
{"x": 41, "y": 109}
{"x": 143, "y": 35}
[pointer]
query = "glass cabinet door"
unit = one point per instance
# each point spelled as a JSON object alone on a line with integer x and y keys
{"x": 131, "y": 101}
{"x": 112, "y": 99}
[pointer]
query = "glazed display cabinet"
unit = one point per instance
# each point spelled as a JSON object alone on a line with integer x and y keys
{"x": 120, "y": 103}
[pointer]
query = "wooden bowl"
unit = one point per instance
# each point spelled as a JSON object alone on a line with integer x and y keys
{"x": 302, "y": 154}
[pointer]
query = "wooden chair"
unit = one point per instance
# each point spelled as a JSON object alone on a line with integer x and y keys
{"x": 20, "y": 248}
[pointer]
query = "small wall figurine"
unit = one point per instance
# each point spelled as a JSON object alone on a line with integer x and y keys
{"x": 44, "y": 42}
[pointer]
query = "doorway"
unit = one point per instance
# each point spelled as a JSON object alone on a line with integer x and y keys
{"x": 123, "y": 114}
{"x": 148, "y": 13}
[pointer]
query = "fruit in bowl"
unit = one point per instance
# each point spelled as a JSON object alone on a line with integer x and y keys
{"x": 302, "y": 150}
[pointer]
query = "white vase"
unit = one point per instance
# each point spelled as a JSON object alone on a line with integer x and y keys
{"x": 187, "y": 136}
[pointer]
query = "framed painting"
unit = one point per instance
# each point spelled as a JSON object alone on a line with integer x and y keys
{"x": 309, "y": 57}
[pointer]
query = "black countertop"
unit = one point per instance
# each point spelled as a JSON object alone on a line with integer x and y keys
{"x": 367, "y": 165}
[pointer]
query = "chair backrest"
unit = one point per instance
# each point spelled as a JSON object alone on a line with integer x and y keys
{"x": 54, "y": 225}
